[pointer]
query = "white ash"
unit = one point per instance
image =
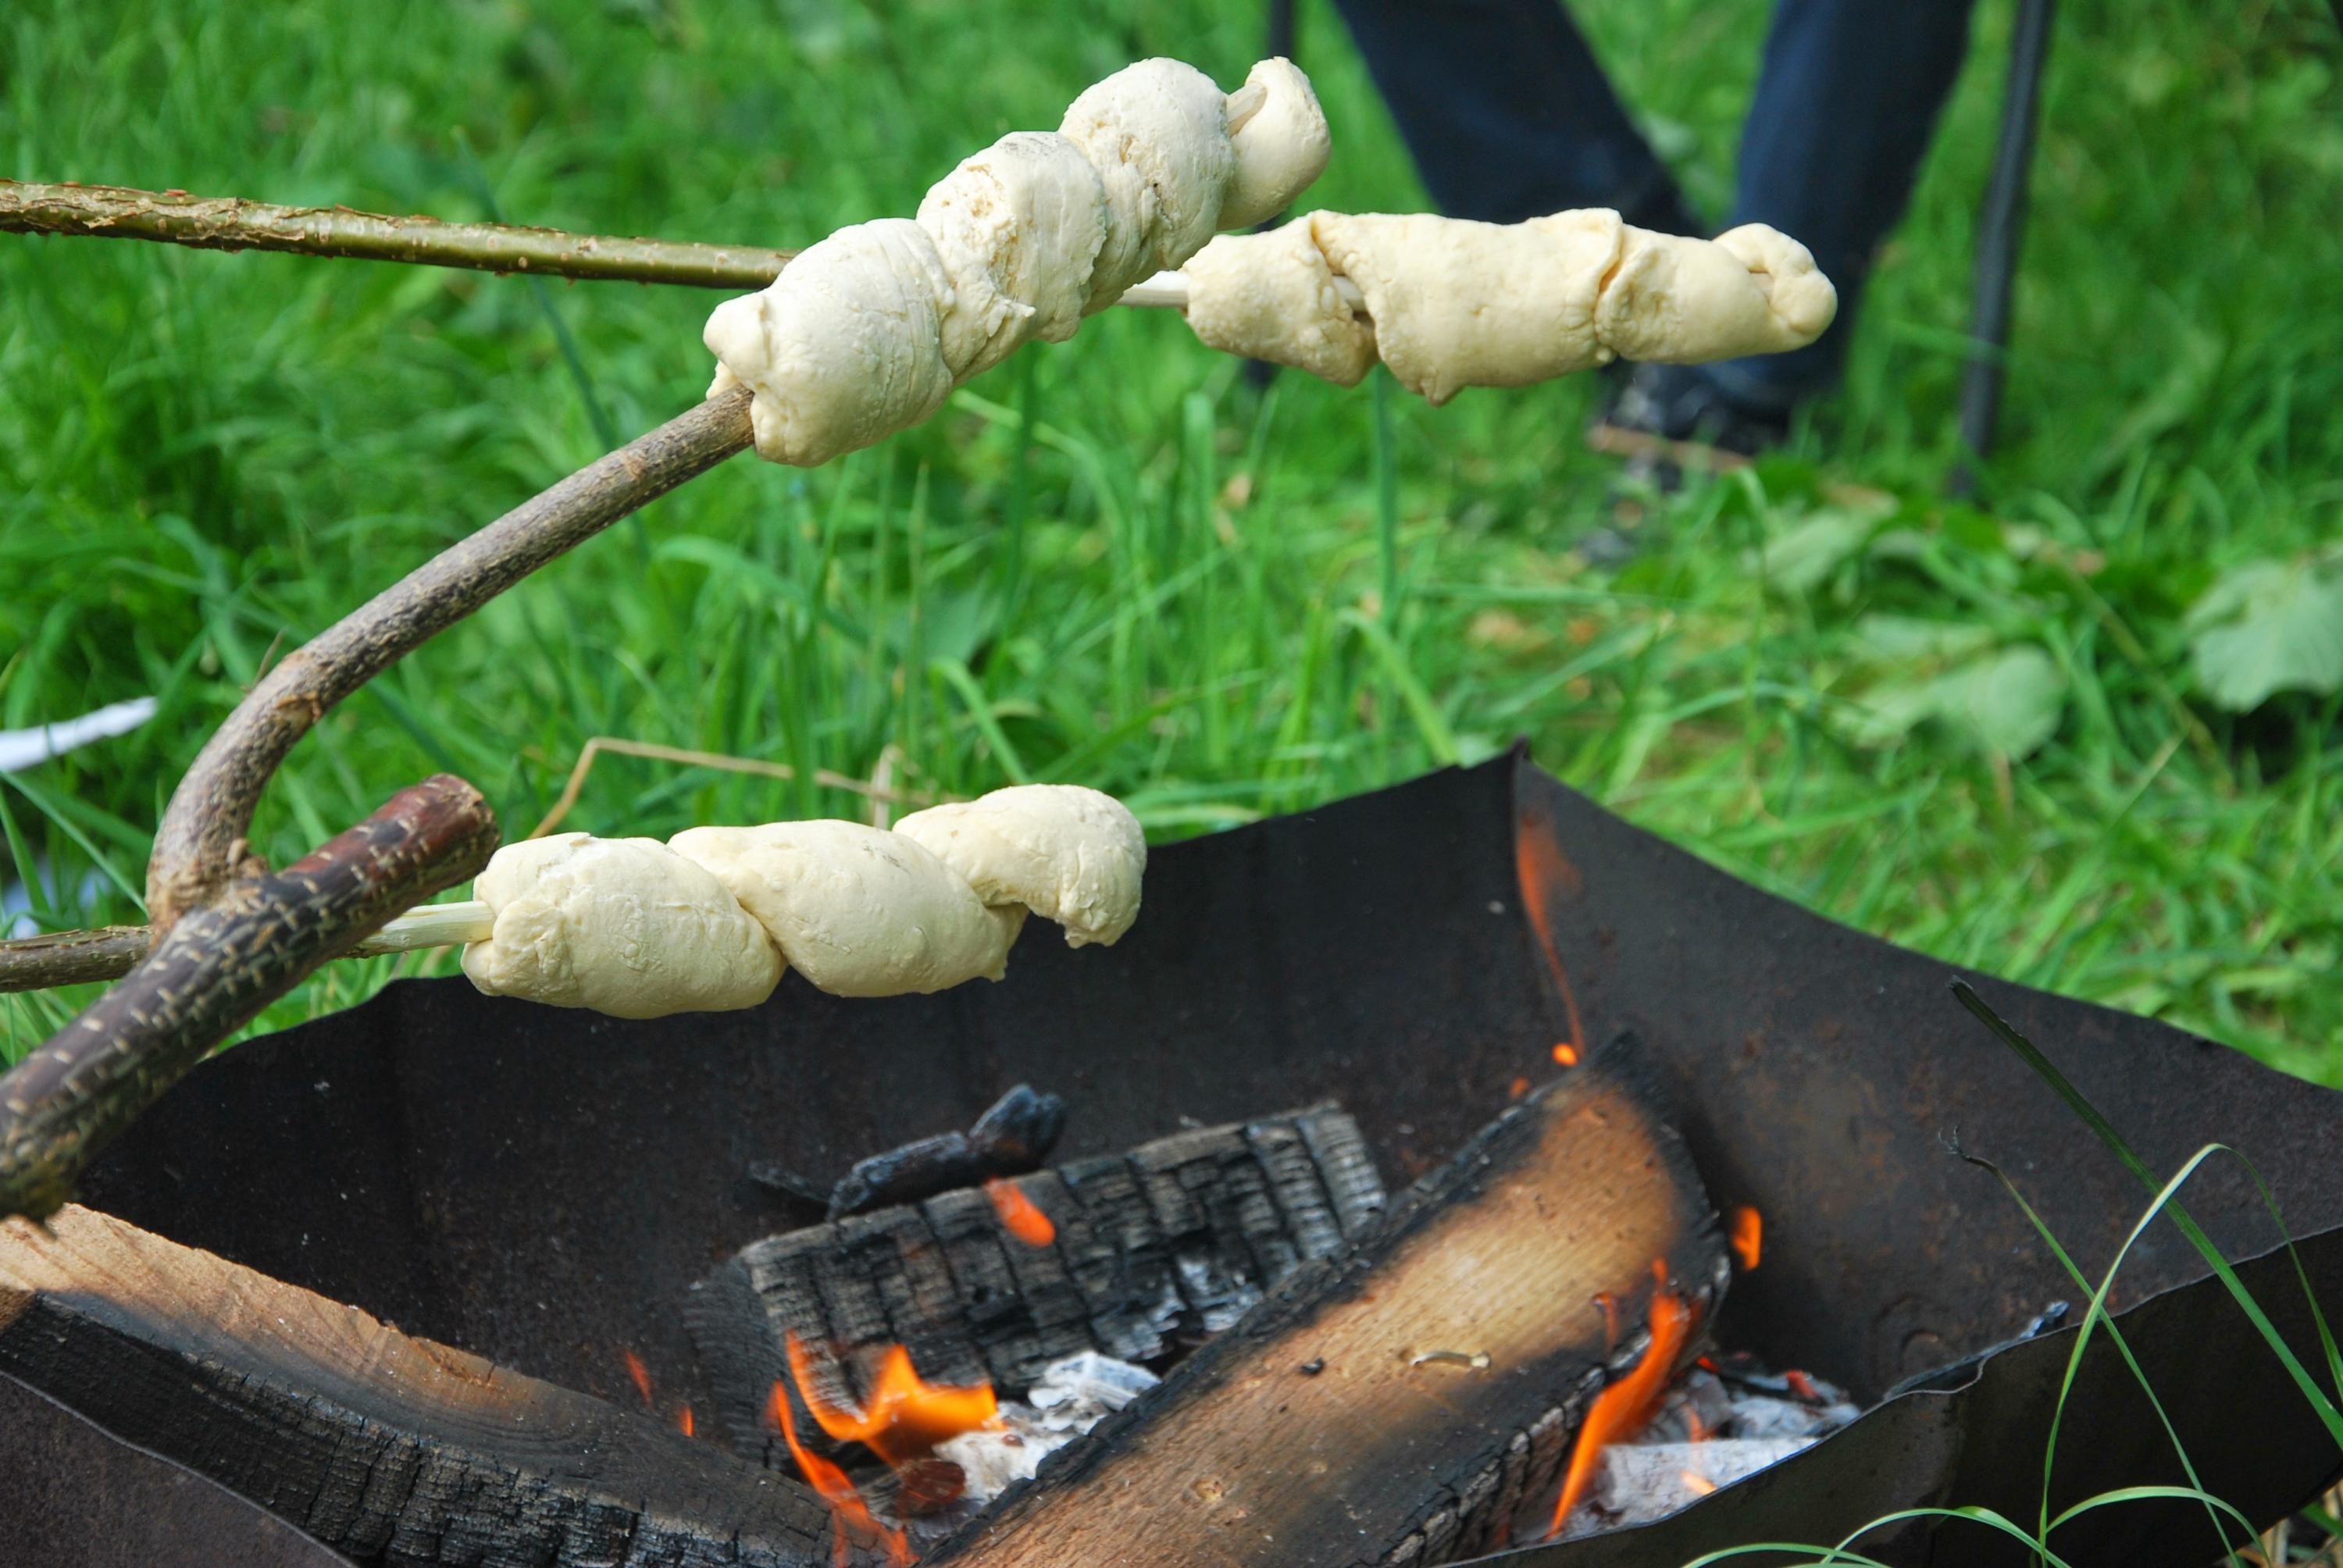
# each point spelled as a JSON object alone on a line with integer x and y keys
{"x": 1070, "y": 1397}
{"x": 1709, "y": 1432}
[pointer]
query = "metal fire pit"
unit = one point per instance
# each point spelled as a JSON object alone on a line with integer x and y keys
{"x": 541, "y": 1186}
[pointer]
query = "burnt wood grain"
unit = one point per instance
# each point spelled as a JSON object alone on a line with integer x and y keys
{"x": 384, "y": 1447}
{"x": 1154, "y": 1251}
{"x": 1411, "y": 1400}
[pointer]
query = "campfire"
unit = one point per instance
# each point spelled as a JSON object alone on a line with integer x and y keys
{"x": 1451, "y": 1173}
{"x": 564, "y": 1288}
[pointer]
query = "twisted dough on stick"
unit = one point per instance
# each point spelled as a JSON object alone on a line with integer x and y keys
{"x": 1451, "y": 303}
{"x": 867, "y": 332}
{"x": 709, "y": 922}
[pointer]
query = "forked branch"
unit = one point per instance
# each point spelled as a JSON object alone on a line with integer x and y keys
{"x": 212, "y": 971}
{"x": 228, "y": 936}
{"x": 201, "y": 842}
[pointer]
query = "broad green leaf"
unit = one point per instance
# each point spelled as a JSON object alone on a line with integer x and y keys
{"x": 1800, "y": 557}
{"x": 2009, "y": 702}
{"x": 2268, "y": 626}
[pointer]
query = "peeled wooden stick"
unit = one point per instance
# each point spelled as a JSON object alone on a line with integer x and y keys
{"x": 231, "y": 223}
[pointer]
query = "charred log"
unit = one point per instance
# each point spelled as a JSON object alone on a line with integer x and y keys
{"x": 1012, "y": 1138}
{"x": 1154, "y": 1251}
{"x": 382, "y": 1446}
{"x": 1454, "y": 1349}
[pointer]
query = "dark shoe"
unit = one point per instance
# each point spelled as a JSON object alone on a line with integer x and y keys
{"x": 1666, "y": 418}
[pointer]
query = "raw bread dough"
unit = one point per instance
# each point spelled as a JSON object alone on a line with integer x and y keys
{"x": 1157, "y": 133}
{"x": 1069, "y": 854}
{"x": 858, "y": 911}
{"x": 845, "y": 349}
{"x": 1457, "y": 304}
{"x": 1280, "y": 151}
{"x": 1018, "y": 227}
{"x": 624, "y": 926}
{"x": 867, "y": 332}
{"x": 1273, "y": 296}
{"x": 1677, "y": 301}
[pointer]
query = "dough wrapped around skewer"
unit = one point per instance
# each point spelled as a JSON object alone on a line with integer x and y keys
{"x": 709, "y": 921}
{"x": 624, "y": 926}
{"x": 1069, "y": 854}
{"x": 867, "y": 332}
{"x": 1448, "y": 303}
{"x": 857, "y": 911}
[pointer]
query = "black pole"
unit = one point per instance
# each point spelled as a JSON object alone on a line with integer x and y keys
{"x": 2001, "y": 230}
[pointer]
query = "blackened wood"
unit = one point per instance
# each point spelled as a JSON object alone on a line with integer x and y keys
{"x": 216, "y": 969}
{"x": 201, "y": 842}
{"x": 74, "y": 1493}
{"x": 384, "y": 1447}
{"x": 231, "y": 223}
{"x": 1317, "y": 1433}
{"x": 1154, "y": 1251}
{"x": 1011, "y": 1138}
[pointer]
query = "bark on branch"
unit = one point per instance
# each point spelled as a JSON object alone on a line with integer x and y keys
{"x": 200, "y": 843}
{"x": 231, "y": 223}
{"x": 214, "y": 969}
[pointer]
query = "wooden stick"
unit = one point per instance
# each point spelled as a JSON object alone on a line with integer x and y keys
{"x": 379, "y": 1445}
{"x": 213, "y": 970}
{"x": 231, "y": 223}
{"x": 201, "y": 842}
{"x": 1333, "y": 1427}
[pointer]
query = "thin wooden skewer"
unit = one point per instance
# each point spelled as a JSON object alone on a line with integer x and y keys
{"x": 231, "y": 223}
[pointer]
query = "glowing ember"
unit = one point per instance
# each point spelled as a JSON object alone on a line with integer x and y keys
{"x": 1748, "y": 1235}
{"x": 1519, "y": 1087}
{"x": 1539, "y": 861}
{"x": 1566, "y": 1053}
{"x": 1803, "y": 1386}
{"x": 854, "y": 1515}
{"x": 1696, "y": 1484}
{"x": 640, "y": 1373}
{"x": 1019, "y": 1214}
{"x": 1624, "y": 1406}
{"x": 904, "y": 1416}
{"x": 683, "y": 1422}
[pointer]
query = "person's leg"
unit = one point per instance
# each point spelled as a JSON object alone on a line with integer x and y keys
{"x": 1846, "y": 103}
{"x": 1507, "y": 113}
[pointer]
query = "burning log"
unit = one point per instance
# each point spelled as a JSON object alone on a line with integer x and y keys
{"x": 378, "y": 1444}
{"x": 1145, "y": 1253}
{"x": 1409, "y": 1401}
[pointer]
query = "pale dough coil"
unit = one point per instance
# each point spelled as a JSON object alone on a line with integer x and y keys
{"x": 866, "y": 332}
{"x": 709, "y": 922}
{"x": 1449, "y": 303}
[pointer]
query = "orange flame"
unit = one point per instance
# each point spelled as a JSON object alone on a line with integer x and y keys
{"x": 1748, "y": 1235}
{"x": 904, "y": 1417}
{"x": 1624, "y": 1406}
{"x": 1516, "y": 1090}
{"x": 1566, "y": 1053}
{"x": 640, "y": 1373}
{"x": 1696, "y": 1484}
{"x": 831, "y": 1482}
{"x": 1020, "y": 1216}
{"x": 684, "y": 1423}
{"x": 1538, "y": 863}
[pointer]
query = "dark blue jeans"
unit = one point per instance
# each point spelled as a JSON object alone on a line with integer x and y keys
{"x": 1509, "y": 115}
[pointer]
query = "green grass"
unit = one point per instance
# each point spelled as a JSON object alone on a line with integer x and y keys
{"x": 1110, "y": 561}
